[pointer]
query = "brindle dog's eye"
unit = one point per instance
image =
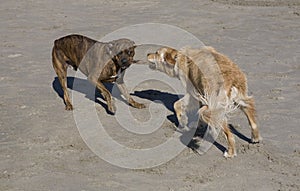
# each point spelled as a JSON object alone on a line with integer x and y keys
{"x": 130, "y": 52}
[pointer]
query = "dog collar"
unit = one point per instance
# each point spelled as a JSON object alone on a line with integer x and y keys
{"x": 118, "y": 74}
{"x": 114, "y": 76}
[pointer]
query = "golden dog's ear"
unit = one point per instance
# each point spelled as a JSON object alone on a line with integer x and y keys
{"x": 171, "y": 57}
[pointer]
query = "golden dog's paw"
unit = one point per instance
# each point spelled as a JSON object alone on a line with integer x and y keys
{"x": 255, "y": 140}
{"x": 227, "y": 155}
{"x": 69, "y": 107}
{"x": 183, "y": 120}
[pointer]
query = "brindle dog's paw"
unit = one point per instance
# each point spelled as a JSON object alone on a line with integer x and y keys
{"x": 139, "y": 105}
{"x": 136, "y": 104}
{"x": 112, "y": 108}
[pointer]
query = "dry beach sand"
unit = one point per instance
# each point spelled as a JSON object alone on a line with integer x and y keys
{"x": 41, "y": 148}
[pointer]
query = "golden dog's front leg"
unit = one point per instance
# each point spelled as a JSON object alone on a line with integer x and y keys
{"x": 180, "y": 108}
{"x": 180, "y": 114}
{"x": 183, "y": 106}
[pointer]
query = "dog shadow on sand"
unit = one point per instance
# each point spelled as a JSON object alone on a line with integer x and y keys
{"x": 83, "y": 88}
{"x": 167, "y": 99}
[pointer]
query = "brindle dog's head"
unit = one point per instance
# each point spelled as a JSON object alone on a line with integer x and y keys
{"x": 122, "y": 52}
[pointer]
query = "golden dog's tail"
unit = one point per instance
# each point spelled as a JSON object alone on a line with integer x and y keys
{"x": 216, "y": 108}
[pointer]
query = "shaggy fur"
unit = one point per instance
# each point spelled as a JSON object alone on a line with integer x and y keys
{"x": 213, "y": 82}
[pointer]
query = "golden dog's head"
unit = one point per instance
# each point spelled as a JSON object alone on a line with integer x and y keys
{"x": 164, "y": 60}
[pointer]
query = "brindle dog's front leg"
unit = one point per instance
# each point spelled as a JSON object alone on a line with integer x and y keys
{"x": 123, "y": 89}
{"x": 105, "y": 93}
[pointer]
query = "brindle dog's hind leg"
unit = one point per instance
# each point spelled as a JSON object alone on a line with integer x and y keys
{"x": 60, "y": 67}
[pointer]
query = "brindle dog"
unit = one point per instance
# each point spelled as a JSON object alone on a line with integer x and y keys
{"x": 100, "y": 62}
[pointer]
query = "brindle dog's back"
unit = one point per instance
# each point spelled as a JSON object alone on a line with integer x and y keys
{"x": 102, "y": 63}
{"x": 73, "y": 47}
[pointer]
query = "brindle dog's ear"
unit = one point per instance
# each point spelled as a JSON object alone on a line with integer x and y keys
{"x": 109, "y": 49}
{"x": 136, "y": 45}
{"x": 170, "y": 58}
{"x": 133, "y": 49}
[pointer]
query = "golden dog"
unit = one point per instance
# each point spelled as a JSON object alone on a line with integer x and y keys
{"x": 213, "y": 82}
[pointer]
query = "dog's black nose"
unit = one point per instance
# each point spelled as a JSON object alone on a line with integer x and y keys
{"x": 124, "y": 60}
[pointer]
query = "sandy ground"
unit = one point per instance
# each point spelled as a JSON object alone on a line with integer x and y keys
{"x": 41, "y": 148}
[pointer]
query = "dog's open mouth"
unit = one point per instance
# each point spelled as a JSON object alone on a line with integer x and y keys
{"x": 124, "y": 67}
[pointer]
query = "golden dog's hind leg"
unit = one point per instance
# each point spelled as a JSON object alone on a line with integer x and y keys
{"x": 61, "y": 71}
{"x": 249, "y": 110}
{"x": 231, "y": 152}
